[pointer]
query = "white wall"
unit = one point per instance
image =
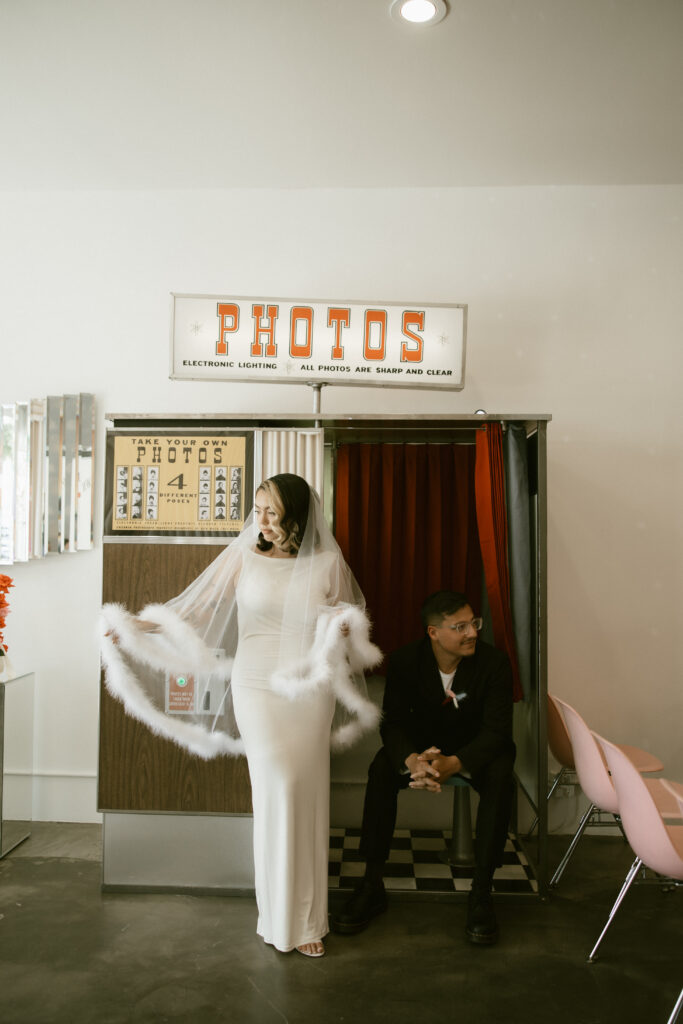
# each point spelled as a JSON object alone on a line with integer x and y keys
{"x": 574, "y": 309}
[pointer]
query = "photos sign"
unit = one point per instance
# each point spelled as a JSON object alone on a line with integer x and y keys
{"x": 417, "y": 345}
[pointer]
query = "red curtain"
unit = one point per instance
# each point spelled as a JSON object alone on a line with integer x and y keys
{"x": 406, "y": 522}
{"x": 493, "y": 538}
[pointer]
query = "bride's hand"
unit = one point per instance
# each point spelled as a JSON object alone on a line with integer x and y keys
{"x": 344, "y": 627}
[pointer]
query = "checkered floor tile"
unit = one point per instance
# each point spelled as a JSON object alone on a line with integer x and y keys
{"x": 415, "y": 865}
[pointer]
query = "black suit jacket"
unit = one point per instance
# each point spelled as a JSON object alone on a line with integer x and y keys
{"x": 415, "y": 716}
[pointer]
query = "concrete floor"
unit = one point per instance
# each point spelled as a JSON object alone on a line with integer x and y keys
{"x": 71, "y": 955}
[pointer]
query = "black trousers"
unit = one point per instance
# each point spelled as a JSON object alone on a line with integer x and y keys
{"x": 495, "y": 786}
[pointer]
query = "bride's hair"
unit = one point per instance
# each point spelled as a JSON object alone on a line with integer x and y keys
{"x": 289, "y": 496}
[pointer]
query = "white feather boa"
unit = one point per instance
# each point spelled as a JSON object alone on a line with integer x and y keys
{"x": 341, "y": 649}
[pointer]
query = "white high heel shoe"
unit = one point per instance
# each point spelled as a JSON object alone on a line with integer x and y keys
{"x": 305, "y": 952}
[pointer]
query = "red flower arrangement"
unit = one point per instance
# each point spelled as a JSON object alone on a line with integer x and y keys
{"x": 5, "y": 584}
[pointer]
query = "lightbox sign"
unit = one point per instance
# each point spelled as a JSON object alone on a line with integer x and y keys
{"x": 386, "y": 344}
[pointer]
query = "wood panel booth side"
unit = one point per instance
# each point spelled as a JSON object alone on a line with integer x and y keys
{"x": 139, "y": 771}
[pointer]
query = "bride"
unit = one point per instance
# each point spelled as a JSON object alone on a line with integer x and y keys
{"x": 278, "y": 621}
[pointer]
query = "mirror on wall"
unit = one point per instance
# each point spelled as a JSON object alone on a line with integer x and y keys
{"x": 46, "y": 477}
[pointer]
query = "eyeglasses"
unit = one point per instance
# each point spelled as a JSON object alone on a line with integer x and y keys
{"x": 462, "y": 627}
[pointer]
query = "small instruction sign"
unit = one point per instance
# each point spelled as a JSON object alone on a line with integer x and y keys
{"x": 181, "y": 694}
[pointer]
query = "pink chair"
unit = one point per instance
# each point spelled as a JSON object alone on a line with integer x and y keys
{"x": 569, "y": 735}
{"x": 561, "y": 749}
{"x": 657, "y": 844}
{"x": 676, "y": 790}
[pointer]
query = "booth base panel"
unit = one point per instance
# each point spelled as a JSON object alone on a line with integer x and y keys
{"x": 177, "y": 852}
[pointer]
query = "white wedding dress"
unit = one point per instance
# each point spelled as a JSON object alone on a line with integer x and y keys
{"x": 287, "y": 643}
{"x": 287, "y": 744}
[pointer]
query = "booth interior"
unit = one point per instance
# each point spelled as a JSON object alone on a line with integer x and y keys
{"x": 417, "y": 504}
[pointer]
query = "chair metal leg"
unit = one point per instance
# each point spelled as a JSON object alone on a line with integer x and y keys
{"x": 559, "y": 871}
{"x": 617, "y": 820}
{"x": 556, "y": 782}
{"x": 628, "y": 881}
{"x": 676, "y": 1010}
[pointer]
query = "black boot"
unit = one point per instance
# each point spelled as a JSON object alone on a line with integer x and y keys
{"x": 481, "y": 927}
{"x": 367, "y": 902}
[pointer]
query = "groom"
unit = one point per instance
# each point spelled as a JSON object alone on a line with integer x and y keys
{"x": 447, "y": 711}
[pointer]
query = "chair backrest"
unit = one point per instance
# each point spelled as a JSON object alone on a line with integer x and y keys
{"x": 588, "y": 760}
{"x": 649, "y": 837}
{"x": 558, "y": 738}
{"x": 675, "y": 791}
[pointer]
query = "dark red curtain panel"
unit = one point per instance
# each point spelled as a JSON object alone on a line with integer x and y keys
{"x": 493, "y": 538}
{"x": 406, "y": 521}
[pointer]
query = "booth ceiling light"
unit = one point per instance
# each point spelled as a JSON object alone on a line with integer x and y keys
{"x": 419, "y": 12}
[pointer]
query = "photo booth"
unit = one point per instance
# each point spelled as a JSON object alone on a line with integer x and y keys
{"x": 417, "y": 504}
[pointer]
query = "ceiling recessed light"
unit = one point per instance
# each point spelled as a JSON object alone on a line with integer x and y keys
{"x": 419, "y": 12}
